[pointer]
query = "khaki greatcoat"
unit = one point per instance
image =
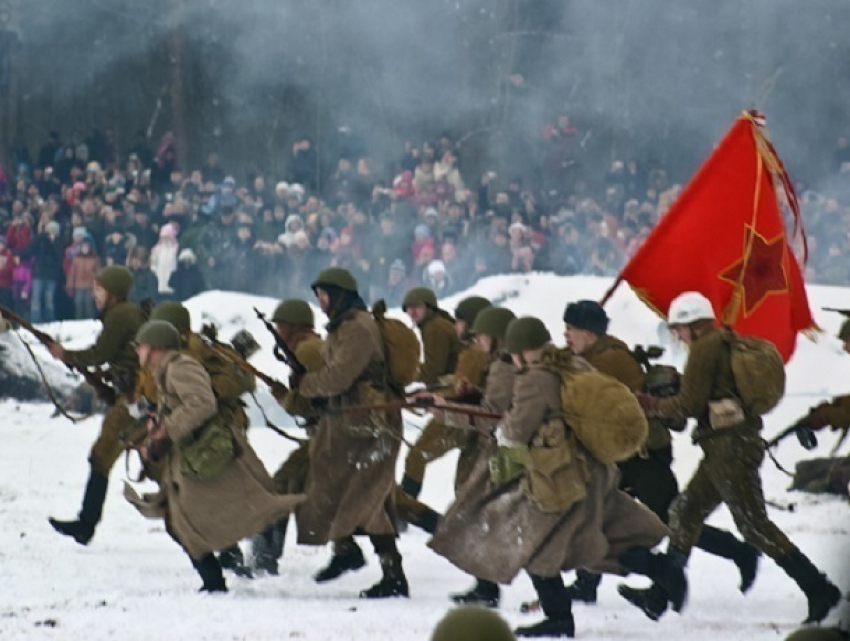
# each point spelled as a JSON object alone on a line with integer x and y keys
{"x": 494, "y": 531}
{"x": 352, "y": 456}
{"x": 206, "y": 516}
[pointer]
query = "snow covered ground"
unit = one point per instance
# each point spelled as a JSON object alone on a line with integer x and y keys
{"x": 133, "y": 582}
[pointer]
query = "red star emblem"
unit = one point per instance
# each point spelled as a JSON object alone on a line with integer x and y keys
{"x": 760, "y": 271}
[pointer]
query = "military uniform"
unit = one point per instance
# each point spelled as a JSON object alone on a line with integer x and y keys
{"x": 442, "y": 351}
{"x": 729, "y": 471}
{"x": 113, "y": 348}
{"x": 203, "y": 514}
{"x": 351, "y": 478}
{"x": 606, "y": 530}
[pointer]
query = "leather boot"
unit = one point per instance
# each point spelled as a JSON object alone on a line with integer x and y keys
{"x": 726, "y": 545}
{"x": 347, "y": 556}
{"x": 82, "y": 530}
{"x": 821, "y": 593}
{"x": 484, "y": 593}
{"x": 584, "y": 587}
{"x": 267, "y": 548}
{"x": 666, "y": 570}
{"x": 233, "y": 559}
{"x": 556, "y": 606}
{"x": 393, "y": 582}
{"x": 652, "y": 601}
{"x": 210, "y": 571}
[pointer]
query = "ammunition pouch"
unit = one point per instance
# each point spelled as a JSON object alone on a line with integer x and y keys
{"x": 725, "y": 413}
{"x": 557, "y": 472}
{"x": 209, "y": 450}
{"x": 508, "y": 464}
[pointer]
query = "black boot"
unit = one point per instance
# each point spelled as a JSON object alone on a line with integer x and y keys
{"x": 210, "y": 570}
{"x": 410, "y": 486}
{"x": 347, "y": 556}
{"x": 666, "y": 570}
{"x": 584, "y": 587}
{"x": 485, "y": 593}
{"x": 232, "y": 559}
{"x": 427, "y": 520}
{"x": 393, "y": 582}
{"x": 557, "y": 607}
{"x": 726, "y": 545}
{"x": 82, "y": 530}
{"x": 821, "y": 593}
{"x": 267, "y": 548}
{"x": 652, "y": 601}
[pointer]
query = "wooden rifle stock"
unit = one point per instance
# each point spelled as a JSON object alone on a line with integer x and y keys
{"x": 281, "y": 349}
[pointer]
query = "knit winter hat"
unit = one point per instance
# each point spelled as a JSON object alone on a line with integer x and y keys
{"x": 53, "y": 228}
{"x": 79, "y": 233}
{"x": 422, "y": 231}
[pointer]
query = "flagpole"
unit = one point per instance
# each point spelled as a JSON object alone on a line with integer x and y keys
{"x": 611, "y": 289}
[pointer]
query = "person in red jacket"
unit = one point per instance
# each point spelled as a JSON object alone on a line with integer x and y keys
{"x": 19, "y": 233}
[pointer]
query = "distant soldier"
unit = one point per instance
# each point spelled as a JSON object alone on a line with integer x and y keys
{"x": 229, "y": 382}
{"x": 205, "y": 510}
{"x": 729, "y": 471}
{"x": 295, "y": 325}
{"x": 436, "y": 439}
{"x": 648, "y": 476}
{"x": 501, "y": 523}
{"x": 113, "y": 348}
{"x": 351, "y": 478}
{"x": 834, "y": 413}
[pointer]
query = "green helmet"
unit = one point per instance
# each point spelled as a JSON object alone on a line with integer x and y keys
{"x": 493, "y": 321}
{"x": 293, "y": 311}
{"x": 336, "y": 277}
{"x": 817, "y": 634}
{"x": 160, "y": 334}
{"x": 420, "y": 295}
{"x": 844, "y": 332}
{"x": 472, "y": 624}
{"x": 117, "y": 280}
{"x": 468, "y": 309}
{"x": 173, "y": 312}
{"x": 526, "y": 333}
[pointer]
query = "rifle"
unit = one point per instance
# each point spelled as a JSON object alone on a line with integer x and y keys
{"x": 806, "y": 435}
{"x": 281, "y": 349}
{"x": 105, "y": 391}
{"x": 419, "y": 403}
{"x": 843, "y": 312}
{"x": 132, "y": 436}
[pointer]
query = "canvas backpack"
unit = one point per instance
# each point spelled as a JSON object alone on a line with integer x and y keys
{"x": 603, "y": 413}
{"x": 759, "y": 372}
{"x": 401, "y": 348}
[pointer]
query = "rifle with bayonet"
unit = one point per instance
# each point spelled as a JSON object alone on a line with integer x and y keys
{"x": 281, "y": 349}
{"x": 843, "y": 312}
{"x": 805, "y": 435}
{"x": 105, "y": 391}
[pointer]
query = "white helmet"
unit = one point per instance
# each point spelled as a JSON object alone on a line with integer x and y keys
{"x": 689, "y": 307}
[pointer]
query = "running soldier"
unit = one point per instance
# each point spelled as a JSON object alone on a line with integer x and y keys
{"x": 729, "y": 471}
{"x": 113, "y": 348}
{"x": 351, "y": 478}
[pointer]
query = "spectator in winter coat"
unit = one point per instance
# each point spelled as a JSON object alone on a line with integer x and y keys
{"x": 164, "y": 257}
{"x": 187, "y": 281}
{"x": 7, "y": 269}
{"x": 436, "y": 278}
{"x": 145, "y": 283}
{"x": 46, "y": 252}
{"x": 80, "y": 280}
{"x": 22, "y": 287}
{"x": 19, "y": 233}
{"x": 77, "y": 237}
{"x": 294, "y": 224}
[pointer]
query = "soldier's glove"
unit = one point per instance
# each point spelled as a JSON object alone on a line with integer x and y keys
{"x": 816, "y": 419}
{"x": 648, "y": 403}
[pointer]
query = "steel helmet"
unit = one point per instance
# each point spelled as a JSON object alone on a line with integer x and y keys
{"x": 689, "y": 307}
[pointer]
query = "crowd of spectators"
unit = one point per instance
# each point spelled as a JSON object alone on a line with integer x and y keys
{"x": 420, "y": 220}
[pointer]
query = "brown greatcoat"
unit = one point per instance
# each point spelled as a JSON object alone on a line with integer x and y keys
{"x": 352, "y": 456}
{"x": 206, "y": 516}
{"x": 494, "y": 531}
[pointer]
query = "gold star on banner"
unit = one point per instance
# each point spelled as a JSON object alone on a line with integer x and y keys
{"x": 760, "y": 271}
